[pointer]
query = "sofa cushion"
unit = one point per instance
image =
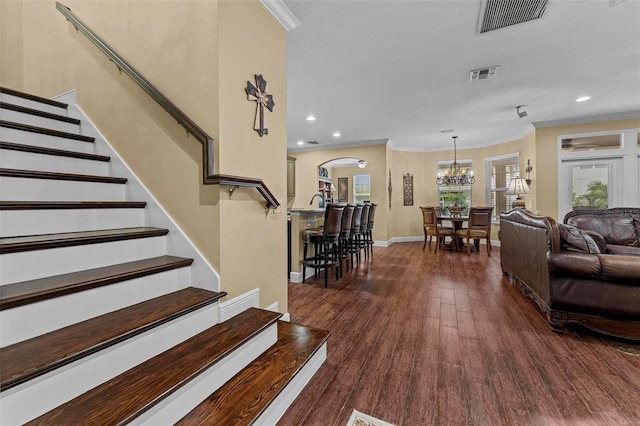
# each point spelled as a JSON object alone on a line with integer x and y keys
{"x": 619, "y": 230}
{"x": 628, "y": 250}
{"x": 574, "y": 239}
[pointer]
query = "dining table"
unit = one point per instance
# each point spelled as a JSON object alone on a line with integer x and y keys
{"x": 457, "y": 222}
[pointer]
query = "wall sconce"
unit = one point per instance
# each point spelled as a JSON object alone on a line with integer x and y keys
{"x": 528, "y": 172}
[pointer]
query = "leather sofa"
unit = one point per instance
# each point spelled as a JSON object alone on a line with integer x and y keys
{"x": 562, "y": 269}
{"x": 615, "y": 230}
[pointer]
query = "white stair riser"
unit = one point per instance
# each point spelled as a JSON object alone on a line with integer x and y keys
{"x": 21, "y": 189}
{"x": 16, "y": 100}
{"x": 32, "y": 399}
{"x": 37, "y": 139}
{"x": 179, "y": 403}
{"x": 10, "y": 159}
{"x": 37, "y": 222}
{"x": 22, "y": 266}
{"x": 17, "y": 324}
{"x": 36, "y": 120}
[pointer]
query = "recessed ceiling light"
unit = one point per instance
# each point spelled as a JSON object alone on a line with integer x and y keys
{"x": 311, "y": 118}
{"x": 336, "y": 135}
{"x": 583, "y": 98}
{"x": 300, "y": 143}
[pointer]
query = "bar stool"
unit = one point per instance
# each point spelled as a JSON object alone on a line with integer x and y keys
{"x": 345, "y": 236}
{"x": 354, "y": 243}
{"x": 372, "y": 216}
{"x": 325, "y": 241}
{"x": 364, "y": 226}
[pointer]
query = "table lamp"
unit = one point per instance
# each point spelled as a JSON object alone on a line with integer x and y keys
{"x": 518, "y": 186}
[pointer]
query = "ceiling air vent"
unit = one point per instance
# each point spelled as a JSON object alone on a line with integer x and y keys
{"x": 495, "y": 14}
{"x": 312, "y": 142}
{"x": 483, "y": 73}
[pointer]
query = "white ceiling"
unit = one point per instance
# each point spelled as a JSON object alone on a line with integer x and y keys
{"x": 398, "y": 71}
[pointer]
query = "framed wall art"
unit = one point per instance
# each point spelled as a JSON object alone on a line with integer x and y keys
{"x": 343, "y": 190}
{"x": 407, "y": 189}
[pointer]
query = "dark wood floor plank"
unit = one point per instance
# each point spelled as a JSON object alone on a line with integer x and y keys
{"x": 31, "y": 358}
{"x": 25, "y": 292}
{"x": 135, "y": 391}
{"x": 508, "y": 368}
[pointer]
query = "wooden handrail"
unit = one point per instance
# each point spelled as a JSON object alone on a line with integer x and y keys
{"x": 209, "y": 177}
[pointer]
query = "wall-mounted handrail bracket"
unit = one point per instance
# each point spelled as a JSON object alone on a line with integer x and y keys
{"x": 209, "y": 177}
{"x": 231, "y": 189}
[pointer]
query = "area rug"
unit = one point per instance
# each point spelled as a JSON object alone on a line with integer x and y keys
{"x": 361, "y": 419}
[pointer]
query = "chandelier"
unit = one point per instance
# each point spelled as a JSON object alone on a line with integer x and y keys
{"x": 456, "y": 176}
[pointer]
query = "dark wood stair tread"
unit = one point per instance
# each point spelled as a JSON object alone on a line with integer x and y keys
{"x": 36, "y": 174}
{"x": 37, "y": 112}
{"x": 70, "y": 205}
{"x": 31, "y": 97}
{"x": 53, "y": 151}
{"x": 31, "y": 358}
{"x": 245, "y": 397}
{"x": 67, "y": 239}
{"x": 45, "y": 131}
{"x": 125, "y": 397}
{"x": 26, "y": 292}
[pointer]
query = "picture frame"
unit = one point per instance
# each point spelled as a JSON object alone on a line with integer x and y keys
{"x": 343, "y": 190}
{"x": 407, "y": 189}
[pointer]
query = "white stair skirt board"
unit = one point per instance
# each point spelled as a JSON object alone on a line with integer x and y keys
{"x": 17, "y": 324}
{"x": 36, "y": 120}
{"x": 17, "y": 100}
{"x": 21, "y": 189}
{"x": 277, "y": 408}
{"x": 10, "y": 159}
{"x": 47, "y": 141}
{"x": 174, "y": 407}
{"x": 34, "y": 398}
{"x": 239, "y": 304}
{"x": 42, "y": 221}
{"x": 17, "y": 267}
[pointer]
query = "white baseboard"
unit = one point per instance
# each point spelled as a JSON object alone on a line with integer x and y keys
{"x": 393, "y": 240}
{"x": 233, "y": 307}
{"x": 274, "y": 308}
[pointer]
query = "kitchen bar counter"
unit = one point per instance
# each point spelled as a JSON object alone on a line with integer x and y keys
{"x": 299, "y": 220}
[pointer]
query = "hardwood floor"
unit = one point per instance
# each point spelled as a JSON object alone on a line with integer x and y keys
{"x": 431, "y": 339}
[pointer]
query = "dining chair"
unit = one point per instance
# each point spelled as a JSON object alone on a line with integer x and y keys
{"x": 438, "y": 210}
{"x": 478, "y": 227}
{"x": 432, "y": 228}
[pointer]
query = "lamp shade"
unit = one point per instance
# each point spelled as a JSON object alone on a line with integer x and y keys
{"x": 518, "y": 186}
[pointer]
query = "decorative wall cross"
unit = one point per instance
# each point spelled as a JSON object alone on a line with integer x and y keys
{"x": 262, "y": 99}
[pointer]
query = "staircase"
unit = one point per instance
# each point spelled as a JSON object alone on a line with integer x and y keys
{"x": 108, "y": 314}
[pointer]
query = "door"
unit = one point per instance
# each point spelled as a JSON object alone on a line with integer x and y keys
{"x": 589, "y": 185}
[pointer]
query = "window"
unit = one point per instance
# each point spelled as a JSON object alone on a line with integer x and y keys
{"x": 500, "y": 171}
{"x": 361, "y": 188}
{"x": 598, "y": 170}
{"x": 454, "y": 195}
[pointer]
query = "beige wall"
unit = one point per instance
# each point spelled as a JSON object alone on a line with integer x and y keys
{"x": 11, "y": 44}
{"x": 179, "y": 46}
{"x": 539, "y": 146}
{"x": 307, "y": 179}
{"x": 547, "y": 157}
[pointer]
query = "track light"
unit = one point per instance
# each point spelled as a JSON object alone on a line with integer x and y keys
{"x": 521, "y": 114}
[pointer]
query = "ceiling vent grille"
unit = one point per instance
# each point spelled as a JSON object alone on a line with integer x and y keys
{"x": 496, "y": 14}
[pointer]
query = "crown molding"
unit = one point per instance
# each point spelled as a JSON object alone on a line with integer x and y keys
{"x": 591, "y": 119}
{"x": 281, "y": 12}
